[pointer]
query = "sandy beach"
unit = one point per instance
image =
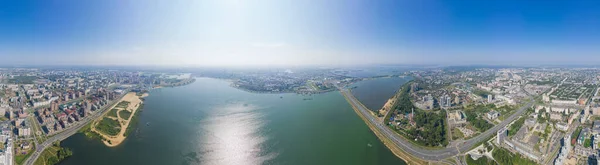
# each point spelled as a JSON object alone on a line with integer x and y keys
{"x": 386, "y": 107}
{"x": 134, "y": 103}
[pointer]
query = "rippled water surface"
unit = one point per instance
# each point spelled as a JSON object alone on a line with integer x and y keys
{"x": 209, "y": 122}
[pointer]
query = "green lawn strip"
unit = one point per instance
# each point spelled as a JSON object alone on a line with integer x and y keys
{"x": 134, "y": 120}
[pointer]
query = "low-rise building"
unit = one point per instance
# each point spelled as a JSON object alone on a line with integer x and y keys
{"x": 562, "y": 126}
{"x": 457, "y": 118}
{"x": 493, "y": 115}
{"x": 556, "y": 117}
{"x": 24, "y": 132}
{"x": 584, "y": 151}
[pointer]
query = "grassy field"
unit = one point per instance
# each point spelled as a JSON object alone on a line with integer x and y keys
{"x": 134, "y": 120}
{"x": 456, "y": 134}
{"x": 19, "y": 158}
{"x": 112, "y": 112}
{"x": 123, "y": 104}
{"x": 87, "y": 131}
{"x": 108, "y": 126}
{"x": 514, "y": 128}
{"x": 124, "y": 114}
{"x": 53, "y": 155}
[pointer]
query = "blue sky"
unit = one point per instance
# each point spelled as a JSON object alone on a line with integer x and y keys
{"x": 291, "y": 33}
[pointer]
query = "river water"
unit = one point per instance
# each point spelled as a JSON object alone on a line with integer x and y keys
{"x": 209, "y": 122}
{"x": 374, "y": 93}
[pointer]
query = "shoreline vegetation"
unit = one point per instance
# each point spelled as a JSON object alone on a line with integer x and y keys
{"x": 127, "y": 120}
{"x": 406, "y": 157}
{"x": 180, "y": 83}
{"x": 400, "y": 100}
{"x": 132, "y": 116}
{"x": 53, "y": 155}
{"x": 279, "y": 92}
{"x": 112, "y": 130}
{"x": 176, "y": 84}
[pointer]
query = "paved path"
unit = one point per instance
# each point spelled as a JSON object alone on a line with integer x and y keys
{"x": 420, "y": 152}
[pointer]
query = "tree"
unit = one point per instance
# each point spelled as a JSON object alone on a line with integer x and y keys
{"x": 587, "y": 143}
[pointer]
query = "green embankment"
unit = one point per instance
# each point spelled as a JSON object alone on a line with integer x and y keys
{"x": 53, "y": 155}
{"x": 87, "y": 131}
{"x": 134, "y": 120}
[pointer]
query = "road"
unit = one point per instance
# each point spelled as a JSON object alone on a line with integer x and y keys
{"x": 68, "y": 132}
{"x": 422, "y": 153}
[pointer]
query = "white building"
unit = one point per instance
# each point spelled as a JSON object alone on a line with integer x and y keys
{"x": 546, "y": 98}
{"x": 562, "y": 126}
{"x": 24, "y": 131}
{"x": 500, "y": 135}
{"x": 493, "y": 115}
{"x": 565, "y": 102}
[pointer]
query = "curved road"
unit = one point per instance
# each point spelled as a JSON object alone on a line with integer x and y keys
{"x": 422, "y": 153}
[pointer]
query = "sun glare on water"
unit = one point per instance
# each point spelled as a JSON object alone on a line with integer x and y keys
{"x": 233, "y": 135}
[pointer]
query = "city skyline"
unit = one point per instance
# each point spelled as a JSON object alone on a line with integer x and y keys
{"x": 276, "y": 33}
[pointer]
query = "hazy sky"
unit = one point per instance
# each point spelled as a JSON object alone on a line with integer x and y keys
{"x": 300, "y": 32}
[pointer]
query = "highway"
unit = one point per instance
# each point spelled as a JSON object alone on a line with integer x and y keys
{"x": 69, "y": 131}
{"x": 417, "y": 151}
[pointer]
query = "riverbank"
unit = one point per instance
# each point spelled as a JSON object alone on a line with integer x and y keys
{"x": 233, "y": 85}
{"x": 387, "y": 142}
{"x": 53, "y": 155}
{"x": 129, "y": 104}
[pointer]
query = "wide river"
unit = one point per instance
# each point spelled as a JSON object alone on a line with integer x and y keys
{"x": 209, "y": 122}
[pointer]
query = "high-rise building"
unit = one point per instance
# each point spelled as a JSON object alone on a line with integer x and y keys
{"x": 490, "y": 98}
{"x": 500, "y": 135}
{"x": 54, "y": 106}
